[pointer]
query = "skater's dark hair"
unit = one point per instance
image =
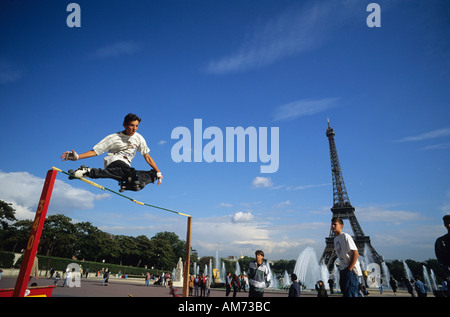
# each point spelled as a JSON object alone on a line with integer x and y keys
{"x": 131, "y": 117}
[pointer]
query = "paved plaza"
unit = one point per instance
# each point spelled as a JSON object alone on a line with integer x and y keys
{"x": 92, "y": 287}
{"x": 132, "y": 294}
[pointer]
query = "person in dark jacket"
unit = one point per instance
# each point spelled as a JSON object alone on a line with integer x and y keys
{"x": 294, "y": 290}
{"x": 320, "y": 288}
{"x": 442, "y": 247}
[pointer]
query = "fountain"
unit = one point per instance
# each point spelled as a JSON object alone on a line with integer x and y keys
{"x": 216, "y": 273}
{"x": 286, "y": 280}
{"x": 407, "y": 271}
{"x": 433, "y": 280}
{"x": 217, "y": 261}
{"x": 386, "y": 274}
{"x": 174, "y": 274}
{"x": 429, "y": 286}
{"x": 223, "y": 274}
{"x": 336, "y": 276}
{"x": 273, "y": 278}
{"x": 367, "y": 257}
{"x": 308, "y": 270}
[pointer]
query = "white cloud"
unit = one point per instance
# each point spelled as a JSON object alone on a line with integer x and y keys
{"x": 242, "y": 217}
{"x": 441, "y": 146}
{"x": 116, "y": 50}
{"x": 259, "y": 182}
{"x": 427, "y": 135}
{"x": 23, "y": 190}
{"x": 302, "y": 187}
{"x": 9, "y": 72}
{"x": 304, "y": 107}
{"x": 284, "y": 203}
{"x": 293, "y": 31}
{"x": 9, "y": 75}
{"x": 445, "y": 208}
{"x": 381, "y": 214}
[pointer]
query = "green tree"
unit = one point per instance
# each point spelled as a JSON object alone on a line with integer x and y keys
{"x": 18, "y": 235}
{"x": 144, "y": 244}
{"x": 204, "y": 261}
{"x": 129, "y": 251}
{"x": 161, "y": 254}
{"x": 178, "y": 246}
{"x": 7, "y": 213}
{"x": 283, "y": 265}
{"x": 58, "y": 237}
{"x": 90, "y": 241}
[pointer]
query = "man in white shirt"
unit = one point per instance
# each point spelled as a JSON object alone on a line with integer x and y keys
{"x": 347, "y": 253}
{"x": 121, "y": 147}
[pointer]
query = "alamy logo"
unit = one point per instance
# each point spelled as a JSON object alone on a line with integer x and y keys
{"x": 73, "y": 275}
{"x": 213, "y": 151}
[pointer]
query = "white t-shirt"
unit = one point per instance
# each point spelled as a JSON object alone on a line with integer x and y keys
{"x": 121, "y": 147}
{"x": 343, "y": 244}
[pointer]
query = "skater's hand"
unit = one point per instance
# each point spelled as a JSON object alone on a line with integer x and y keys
{"x": 160, "y": 177}
{"x": 69, "y": 155}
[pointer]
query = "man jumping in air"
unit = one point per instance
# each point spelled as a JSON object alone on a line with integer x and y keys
{"x": 121, "y": 148}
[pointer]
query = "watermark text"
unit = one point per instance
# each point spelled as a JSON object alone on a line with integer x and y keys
{"x": 251, "y": 141}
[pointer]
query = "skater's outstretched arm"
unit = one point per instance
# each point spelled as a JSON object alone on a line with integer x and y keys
{"x": 152, "y": 163}
{"x": 73, "y": 156}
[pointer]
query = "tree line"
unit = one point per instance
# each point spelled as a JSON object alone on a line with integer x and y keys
{"x": 63, "y": 238}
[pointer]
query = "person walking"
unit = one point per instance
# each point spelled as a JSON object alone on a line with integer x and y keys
{"x": 191, "y": 284}
{"x": 331, "y": 284}
{"x": 228, "y": 284}
{"x": 409, "y": 286}
{"x": 393, "y": 284}
{"x": 243, "y": 283}
{"x": 172, "y": 290}
{"x": 235, "y": 284}
{"x": 147, "y": 279}
{"x": 196, "y": 282}
{"x": 294, "y": 289}
{"x": 207, "y": 285}
{"x": 68, "y": 277}
{"x": 202, "y": 282}
{"x": 106, "y": 277}
{"x": 420, "y": 288}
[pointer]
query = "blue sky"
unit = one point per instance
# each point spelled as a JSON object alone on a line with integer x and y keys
{"x": 285, "y": 64}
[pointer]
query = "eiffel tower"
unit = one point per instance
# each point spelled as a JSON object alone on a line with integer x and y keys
{"x": 342, "y": 208}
